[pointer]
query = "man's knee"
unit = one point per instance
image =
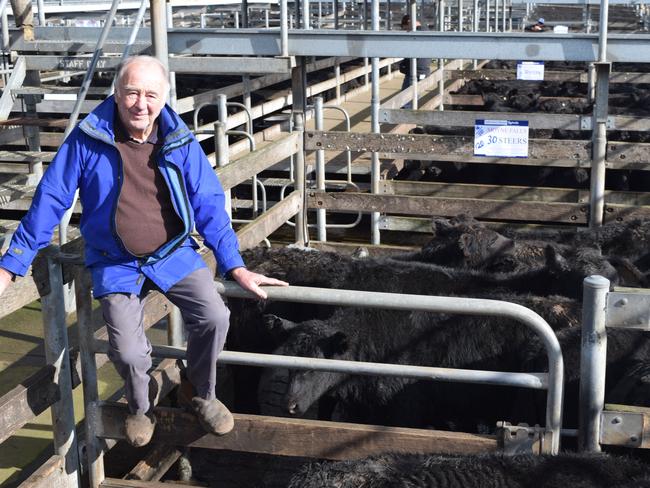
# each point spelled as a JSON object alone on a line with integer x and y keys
{"x": 134, "y": 357}
{"x": 216, "y": 316}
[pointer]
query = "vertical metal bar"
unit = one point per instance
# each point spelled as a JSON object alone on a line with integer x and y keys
{"x": 593, "y": 362}
{"x": 461, "y": 18}
{"x": 320, "y": 14}
{"x": 172, "y": 75}
{"x": 236, "y": 19}
{"x": 389, "y": 18}
{"x": 306, "y": 15}
{"x": 591, "y": 82}
{"x": 487, "y": 15}
{"x": 475, "y": 19}
{"x": 57, "y": 354}
{"x": 5, "y": 42}
{"x": 41, "y": 13}
{"x": 222, "y": 157}
{"x": 321, "y": 218}
{"x": 337, "y": 76}
{"x": 496, "y": 15}
{"x": 244, "y": 14}
{"x": 86, "y": 333}
{"x": 284, "y": 29}
{"x": 599, "y": 145}
{"x": 336, "y": 14}
{"x": 299, "y": 95}
{"x": 266, "y": 18}
{"x": 414, "y": 61}
{"x": 158, "y": 14}
{"x": 441, "y": 62}
{"x": 374, "y": 102}
{"x": 175, "y": 335}
{"x": 365, "y": 14}
{"x": 503, "y": 15}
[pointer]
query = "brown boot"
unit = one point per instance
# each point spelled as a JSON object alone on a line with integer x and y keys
{"x": 214, "y": 416}
{"x": 139, "y": 428}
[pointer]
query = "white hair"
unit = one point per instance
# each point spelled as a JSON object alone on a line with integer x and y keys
{"x": 121, "y": 70}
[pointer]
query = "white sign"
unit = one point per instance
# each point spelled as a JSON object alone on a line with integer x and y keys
{"x": 501, "y": 138}
{"x": 530, "y": 70}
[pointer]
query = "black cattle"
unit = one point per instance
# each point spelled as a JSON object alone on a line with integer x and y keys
{"x": 462, "y": 241}
{"x": 415, "y": 338}
{"x": 560, "y": 275}
{"x": 481, "y": 471}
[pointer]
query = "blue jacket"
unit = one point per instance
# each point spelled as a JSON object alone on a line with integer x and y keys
{"x": 88, "y": 160}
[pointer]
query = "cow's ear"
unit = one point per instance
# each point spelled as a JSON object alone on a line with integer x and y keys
{"x": 277, "y": 324}
{"x": 334, "y": 345}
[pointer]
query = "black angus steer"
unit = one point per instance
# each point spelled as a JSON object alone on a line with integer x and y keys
{"x": 413, "y": 338}
{"x": 477, "y": 471}
{"x": 559, "y": 275}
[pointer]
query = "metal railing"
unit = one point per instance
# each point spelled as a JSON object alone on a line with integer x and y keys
{"x": 551, "y": 381}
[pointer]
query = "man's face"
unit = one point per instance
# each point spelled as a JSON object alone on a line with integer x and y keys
{"x": 140, "y": 97}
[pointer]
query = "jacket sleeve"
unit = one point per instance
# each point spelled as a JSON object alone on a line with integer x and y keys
{"x": 208, "y": 200}
{"x": 53, "y": 196}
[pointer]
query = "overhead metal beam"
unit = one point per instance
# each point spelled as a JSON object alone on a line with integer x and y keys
{"x": 451, "y": 45}
{"x": 203, "y": 65}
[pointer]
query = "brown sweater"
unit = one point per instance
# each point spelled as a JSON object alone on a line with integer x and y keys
{"x": 145, "y": 217}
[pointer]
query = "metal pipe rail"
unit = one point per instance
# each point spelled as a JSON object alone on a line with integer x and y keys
{"x": 552, "y": 381}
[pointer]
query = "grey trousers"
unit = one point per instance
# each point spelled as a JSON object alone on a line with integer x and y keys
{"x": 206, "y": 320}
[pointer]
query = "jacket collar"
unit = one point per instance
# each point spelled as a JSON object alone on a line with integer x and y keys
{"x": 99, "y": 125}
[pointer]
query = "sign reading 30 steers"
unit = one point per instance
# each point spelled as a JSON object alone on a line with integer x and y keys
{"x": 501, "y": 138}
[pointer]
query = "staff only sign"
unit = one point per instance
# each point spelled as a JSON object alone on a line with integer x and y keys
{"x": 501, "y": 138}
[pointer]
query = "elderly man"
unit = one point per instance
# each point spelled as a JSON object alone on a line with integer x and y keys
{"x": 144, "y": 183}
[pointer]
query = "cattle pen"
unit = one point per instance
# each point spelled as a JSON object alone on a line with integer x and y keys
{"x": 320, "y": 143}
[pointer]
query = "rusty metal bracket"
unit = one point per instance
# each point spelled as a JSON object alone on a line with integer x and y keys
{"x": 523, "y": 439}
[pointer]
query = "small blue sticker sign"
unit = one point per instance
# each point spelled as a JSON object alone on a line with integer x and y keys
{"x": 501, "y": 138}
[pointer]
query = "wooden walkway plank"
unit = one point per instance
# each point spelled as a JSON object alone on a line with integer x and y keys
{"x": 296, "y": 437}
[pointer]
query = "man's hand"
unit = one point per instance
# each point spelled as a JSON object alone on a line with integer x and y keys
{"x": 5, "y": 279}
{"x": 251, "y": 281}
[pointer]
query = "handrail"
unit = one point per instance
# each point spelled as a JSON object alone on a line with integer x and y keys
{"x": 81, "y": 97}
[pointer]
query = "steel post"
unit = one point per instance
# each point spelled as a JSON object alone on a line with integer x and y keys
{"x": 441, "y": 62}
{"x": 86, "y": 334}
{"x": 284, "y": 29}
{"x": 599, "y": 146}
{"x": 158, "y": 12}
{"x": 299, "y": 94}
{"x": 593, "y": 361}
{"x": 57, "y": 353}
{"x": 172, "y": 76}
{"x": 336, "y": 14}
{"x": 41, "y": 12}
{"x": 306, "y": 15}
{"x": 222, "y": 157}
{"x": 321, "y": 218}
{"x": 244, "y": 14}
{"x": 337, "y": 77}
{"x": 414, "y": 61}
{"x": 374, "y": 120}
